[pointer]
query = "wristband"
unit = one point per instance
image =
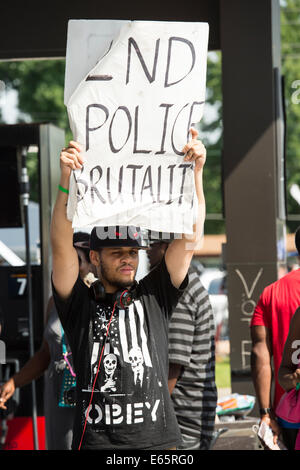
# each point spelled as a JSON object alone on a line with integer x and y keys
{"x": 64, "y": 190}
{"x": 264, "y": 411}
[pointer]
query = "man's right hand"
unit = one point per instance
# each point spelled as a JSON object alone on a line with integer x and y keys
{"x": 6, "y": 391}
{"x": 272, "y": 423}
{"x": 70, "y": 158}
{"x": 296, "y": 377}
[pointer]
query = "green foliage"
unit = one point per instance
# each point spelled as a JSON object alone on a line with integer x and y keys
{"x": 40, "y": 87}
{"x": 222, "y": 372}
{"x": 290, "y": 44}
{"x": 209, "y": 128}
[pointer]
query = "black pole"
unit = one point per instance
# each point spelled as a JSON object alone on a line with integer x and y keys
{"x": 25, "y": 200}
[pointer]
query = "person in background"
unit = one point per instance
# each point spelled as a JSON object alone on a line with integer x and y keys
{"x": 49, "y": 359}
{"x": 289, "y": 373}
{"x": 269, "y": 330}
{"x": 191, "y": 359}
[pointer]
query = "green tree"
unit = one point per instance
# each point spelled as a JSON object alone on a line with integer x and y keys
{"x": 211, "y": 134}
{"x": 40, "y": 87}
{"x": 290, "y": 45}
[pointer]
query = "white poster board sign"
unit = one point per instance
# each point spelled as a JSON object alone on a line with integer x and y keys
{"x": 131, "y": 112}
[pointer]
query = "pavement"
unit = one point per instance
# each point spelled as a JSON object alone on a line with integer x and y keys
{"x": 239, "y": 434}
{"x": 236, "y": 435}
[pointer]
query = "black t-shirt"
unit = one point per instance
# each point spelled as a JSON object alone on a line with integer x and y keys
{"x": 131, "y": 406}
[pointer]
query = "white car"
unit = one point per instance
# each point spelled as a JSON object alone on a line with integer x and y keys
{"x": 213, "y": 279}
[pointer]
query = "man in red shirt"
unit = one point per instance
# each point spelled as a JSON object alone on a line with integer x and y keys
{"x": 269, "y": 330}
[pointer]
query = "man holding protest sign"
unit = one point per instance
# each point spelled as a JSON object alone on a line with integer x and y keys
{"x": 117, "y": 328}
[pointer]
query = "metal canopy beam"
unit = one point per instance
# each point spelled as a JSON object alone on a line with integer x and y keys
{"x": 35, "y": 29}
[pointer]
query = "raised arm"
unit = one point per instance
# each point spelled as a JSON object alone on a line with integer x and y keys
{"x": 64, "y": 255}
{"x": 180, "y": 252}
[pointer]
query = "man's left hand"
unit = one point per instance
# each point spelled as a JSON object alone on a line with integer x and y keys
{"x": 195, "y": 151}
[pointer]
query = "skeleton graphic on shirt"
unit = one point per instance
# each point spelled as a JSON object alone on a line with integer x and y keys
{"x": 128, "y": 344}
{"x": 136, "y": 359}
{"x": 110, "y": 365}
{"x": 125, "y": 370}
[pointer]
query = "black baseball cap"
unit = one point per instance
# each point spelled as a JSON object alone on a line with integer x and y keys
{"x": 81, "y": 240}
{"x": 117, "y": 236}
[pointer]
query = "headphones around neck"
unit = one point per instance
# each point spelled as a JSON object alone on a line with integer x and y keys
{"x": 121, "y": 298}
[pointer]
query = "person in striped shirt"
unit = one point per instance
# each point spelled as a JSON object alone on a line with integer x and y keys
{"x": 191, "y": 359}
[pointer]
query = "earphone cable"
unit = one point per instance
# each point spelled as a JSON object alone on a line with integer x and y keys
{"x": 96, "y": 376}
